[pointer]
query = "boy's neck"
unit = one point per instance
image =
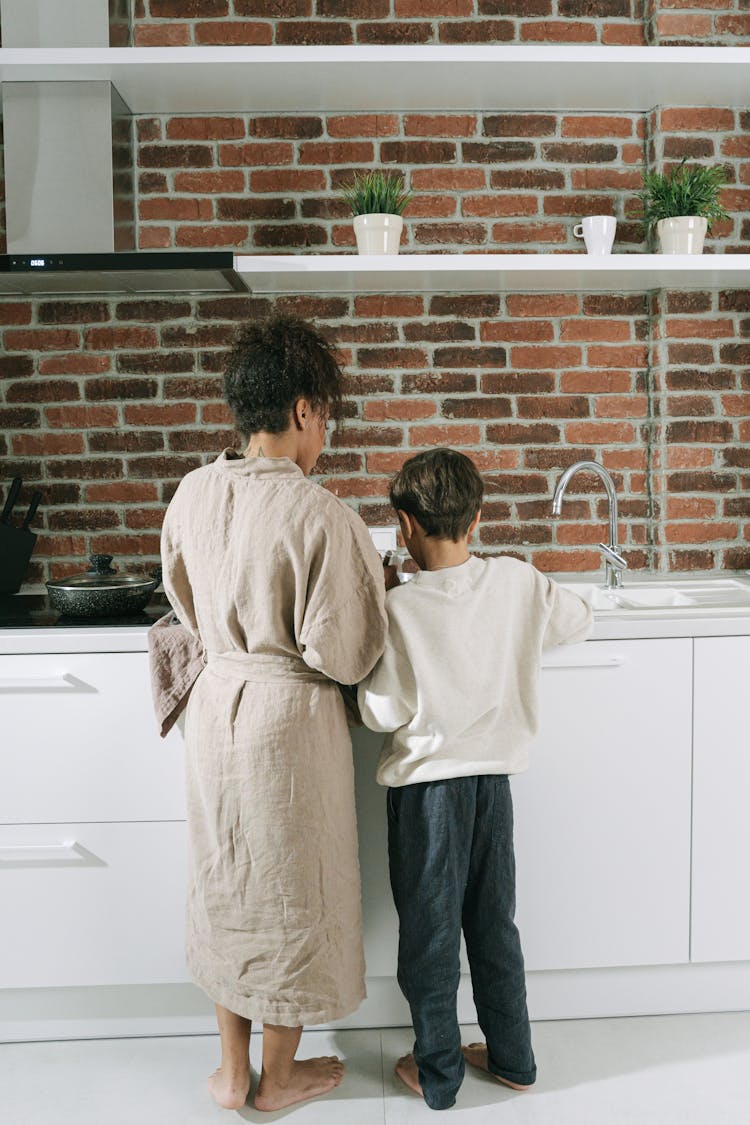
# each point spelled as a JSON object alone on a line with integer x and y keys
{"x": 437, "y": 554}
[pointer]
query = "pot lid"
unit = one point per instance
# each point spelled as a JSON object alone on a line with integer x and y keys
{"x": 102, "y": 576}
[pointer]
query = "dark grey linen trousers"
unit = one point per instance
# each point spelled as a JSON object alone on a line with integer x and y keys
{"x": 452, "y": 867}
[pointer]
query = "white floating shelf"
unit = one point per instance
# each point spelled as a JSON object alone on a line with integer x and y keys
{"x": 487, "y": 273}
{"x": 237, "y": 79}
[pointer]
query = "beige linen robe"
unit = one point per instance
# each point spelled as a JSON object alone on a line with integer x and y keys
{"x": 281, "y": 583}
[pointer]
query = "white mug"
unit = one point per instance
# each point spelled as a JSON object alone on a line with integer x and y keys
{"x": 598, "y": 232}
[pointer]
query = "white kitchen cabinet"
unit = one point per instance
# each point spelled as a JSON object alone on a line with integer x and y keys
{"x": 92, "y": 904}
{"x": 721, "y": 801}
{"x": 80, "y": 741}
{"x": 91, "y": 901}
{"x": 603, "y": 815}
{"x": 92, "y": 833}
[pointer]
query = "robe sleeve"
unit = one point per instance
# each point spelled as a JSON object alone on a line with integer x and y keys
{"x": 174, "y": 570}
{"x": 344, "y": 624}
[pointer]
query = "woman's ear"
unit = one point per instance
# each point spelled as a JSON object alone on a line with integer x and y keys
{"x": 301, "y": 413}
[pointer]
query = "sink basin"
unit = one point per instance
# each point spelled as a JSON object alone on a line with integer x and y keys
{"x": 693, "y": 595}
{"x": 653, "y": 597}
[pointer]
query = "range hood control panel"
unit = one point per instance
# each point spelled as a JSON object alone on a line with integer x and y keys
{"x": 30, "y": 262}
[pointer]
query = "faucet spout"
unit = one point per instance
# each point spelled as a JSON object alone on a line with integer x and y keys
{"x": 614, "y": 563}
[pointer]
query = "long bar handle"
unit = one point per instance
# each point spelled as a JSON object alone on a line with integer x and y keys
{"x": 63, "y": 682}
{"x": 603, "y": 662}
{"x": 66, "y": 850}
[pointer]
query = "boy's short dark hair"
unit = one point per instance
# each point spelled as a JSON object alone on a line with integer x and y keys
{"x": 442, "y": 489}
{"x": 275, "y": 362}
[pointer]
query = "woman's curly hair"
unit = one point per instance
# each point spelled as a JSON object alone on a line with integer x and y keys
{"x": 273, "y": 363}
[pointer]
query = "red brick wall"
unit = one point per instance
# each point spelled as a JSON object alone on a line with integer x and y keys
{"x": 494, "y": 181}
{"x": 106, "y": 403}
{"x": 285, "y": 22}
{"x": 692, "y": 23}
{"x": 710, "y": 135}
{"x": 700, "y": 445}
{"x": 500, "y": 182}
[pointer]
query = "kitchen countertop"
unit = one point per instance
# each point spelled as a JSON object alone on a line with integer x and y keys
{"x": 706, "y": 620}
{"x": 29, "y": 625}
{"x": 33, "y": 611}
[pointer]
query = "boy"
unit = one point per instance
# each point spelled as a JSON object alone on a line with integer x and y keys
{"x": 457, "y": 690}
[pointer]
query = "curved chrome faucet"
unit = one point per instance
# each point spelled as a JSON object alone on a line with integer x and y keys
{"x": 614, "y": 563}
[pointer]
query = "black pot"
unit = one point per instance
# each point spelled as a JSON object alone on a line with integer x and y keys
{"x": 101, "y": 591}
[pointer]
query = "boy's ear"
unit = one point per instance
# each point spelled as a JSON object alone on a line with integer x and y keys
{"x": 473, "y": 524}
{"x": 407, "y": 524}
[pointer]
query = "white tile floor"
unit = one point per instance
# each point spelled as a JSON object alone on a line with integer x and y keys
{"x": 666, "y": 1070}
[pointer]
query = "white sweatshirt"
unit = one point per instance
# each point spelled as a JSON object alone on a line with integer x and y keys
{"x": 457, "y": 686}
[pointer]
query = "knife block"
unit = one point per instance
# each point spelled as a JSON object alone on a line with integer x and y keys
{"x": 16, "y": 545}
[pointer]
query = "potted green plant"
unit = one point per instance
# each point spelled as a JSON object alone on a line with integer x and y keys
{"x": 377, "y": 200}
{"x": 682, "y": 205}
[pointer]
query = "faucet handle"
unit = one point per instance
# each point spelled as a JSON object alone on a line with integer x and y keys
{"x": 613, "y": 557}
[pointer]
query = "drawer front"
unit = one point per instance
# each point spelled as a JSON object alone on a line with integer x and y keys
{"x": 92, "y": 904}
{"x": 79, "y": 741}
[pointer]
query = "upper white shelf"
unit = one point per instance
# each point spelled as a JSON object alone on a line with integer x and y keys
{"x": 245, "y": 79}
{"x": 483, "y": 273}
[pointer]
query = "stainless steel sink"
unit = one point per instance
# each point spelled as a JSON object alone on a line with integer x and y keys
{"x": 665, "y": 595}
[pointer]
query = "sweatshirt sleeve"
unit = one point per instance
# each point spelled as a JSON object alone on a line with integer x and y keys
{"x": 570, "y": 619}
{"x": 387, "y": 697}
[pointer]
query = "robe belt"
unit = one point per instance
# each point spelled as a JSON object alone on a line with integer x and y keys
{"x": 261, "y": 668}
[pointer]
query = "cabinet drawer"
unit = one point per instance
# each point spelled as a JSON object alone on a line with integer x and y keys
{"x": 79, "y": 741}
{"x": 92, "y": 904}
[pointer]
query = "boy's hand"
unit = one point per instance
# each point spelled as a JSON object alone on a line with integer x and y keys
{"x": 390, "y": 575}
{"x": 349, "y": 695}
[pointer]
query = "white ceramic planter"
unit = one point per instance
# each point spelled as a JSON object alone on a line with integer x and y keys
{"x": 378, "y": 234}
{"x": 683, "y": 235}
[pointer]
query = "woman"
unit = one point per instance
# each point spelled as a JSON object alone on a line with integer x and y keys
{"x": 281, "y": 583}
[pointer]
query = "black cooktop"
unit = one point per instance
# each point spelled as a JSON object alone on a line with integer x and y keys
{"x": 33, "y": 611}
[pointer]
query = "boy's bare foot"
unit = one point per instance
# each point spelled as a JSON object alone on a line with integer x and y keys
{"x": 230, "y": 1089}
{"x": 308, "y": 1079}
{"x": 476, "y": 1055}
{"x": 408, "y": 1072}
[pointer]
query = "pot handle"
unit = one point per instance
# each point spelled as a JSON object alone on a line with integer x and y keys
{"x": 101, "y": 564}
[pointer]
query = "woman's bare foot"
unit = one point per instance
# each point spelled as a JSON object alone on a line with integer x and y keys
{"x": 308, "y": 1079}
{"x": 476, "y": 1055}
{"x": 231, "y": 1089}
{"x": 408, "y": 1072}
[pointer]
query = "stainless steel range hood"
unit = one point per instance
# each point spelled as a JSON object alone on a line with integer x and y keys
{"x": 209, "y": 271}
{"x": 69, "y": 176}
